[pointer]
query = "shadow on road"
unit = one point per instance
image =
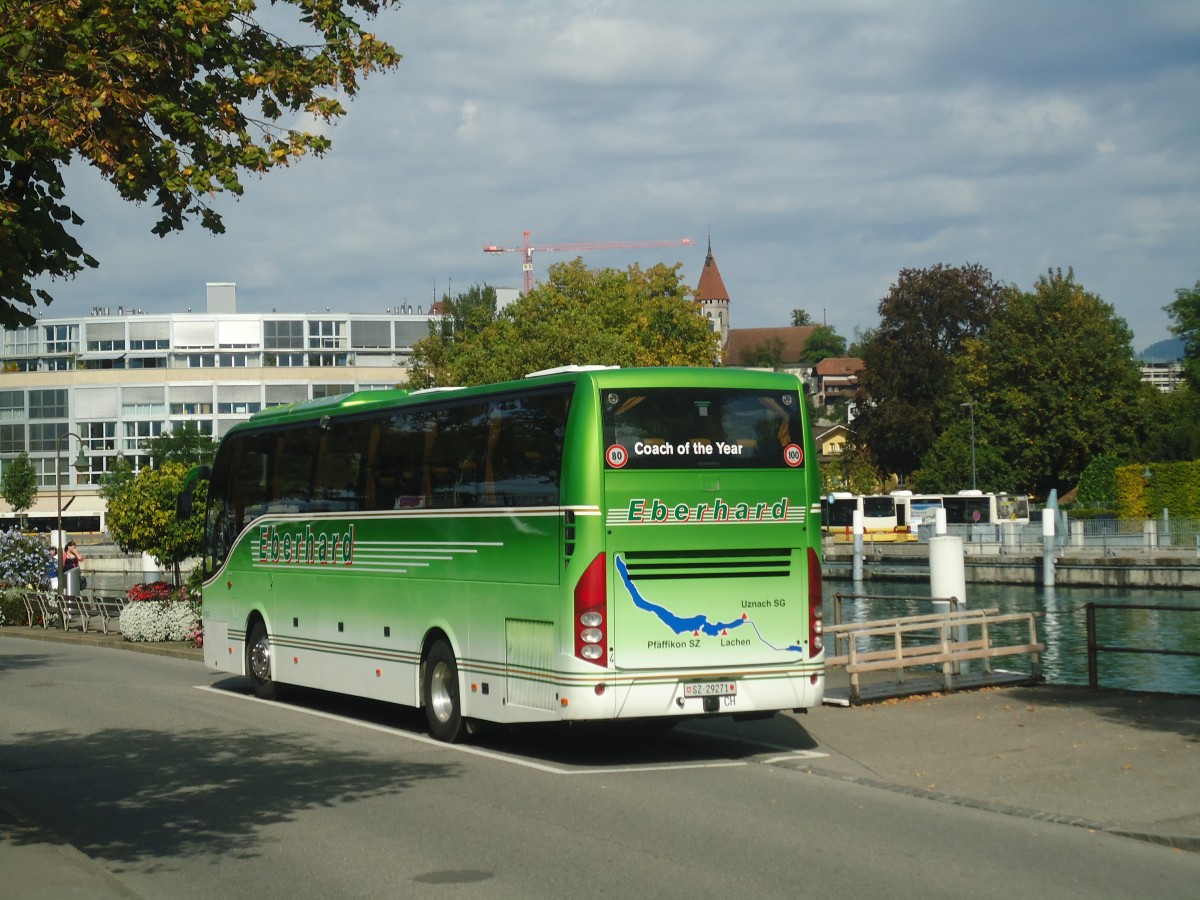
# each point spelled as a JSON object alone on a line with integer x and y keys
{"x": 582, "y": 744}
{"x": 138, "y": 794}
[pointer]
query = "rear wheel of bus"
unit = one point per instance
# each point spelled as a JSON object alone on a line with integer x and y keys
{"x": 258, "y": 662}
{"x": 443, "y": 710}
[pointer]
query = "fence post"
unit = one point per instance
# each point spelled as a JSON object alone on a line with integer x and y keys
{"x": 1047, "y": 548}
{"x": 857, "y": 565}
{"x": 1093, "y": 680}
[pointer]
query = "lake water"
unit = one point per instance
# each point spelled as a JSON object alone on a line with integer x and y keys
{"x": 1063, "y": 628}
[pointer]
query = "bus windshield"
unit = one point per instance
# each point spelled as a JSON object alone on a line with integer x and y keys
{"x": 701, "y": 428}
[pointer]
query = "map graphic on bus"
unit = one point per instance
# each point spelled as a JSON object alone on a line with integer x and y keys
{"x": 697, "y": 624}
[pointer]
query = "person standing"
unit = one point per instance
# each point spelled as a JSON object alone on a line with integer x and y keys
{"x": 71, "y": 561}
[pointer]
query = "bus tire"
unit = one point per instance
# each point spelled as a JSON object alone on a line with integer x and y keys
{"x": 258, "y": 662}
{"x": 443, "y": 709}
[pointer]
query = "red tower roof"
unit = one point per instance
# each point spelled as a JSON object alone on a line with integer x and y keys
{"x": 711, "y": 287}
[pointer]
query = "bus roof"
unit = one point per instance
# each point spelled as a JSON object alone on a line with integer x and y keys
{"x": 601, "y": 376}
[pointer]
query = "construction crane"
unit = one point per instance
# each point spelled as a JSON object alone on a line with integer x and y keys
{"x": 528, "y": 248}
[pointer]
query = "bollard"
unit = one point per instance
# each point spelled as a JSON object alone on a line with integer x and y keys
{"x": 1047, "y": 548}
{"x": 948, "y": 578}
{"x": 857, "y": 526}
{"x": 1149, "y": 535}
{"x": 939, "y": 521}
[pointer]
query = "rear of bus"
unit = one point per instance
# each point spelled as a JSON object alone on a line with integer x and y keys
{"x": 705, "y": 595}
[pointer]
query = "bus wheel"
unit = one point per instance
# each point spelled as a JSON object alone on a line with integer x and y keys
{"x": 258, "y": 663}
{"x": 442, "y": 707}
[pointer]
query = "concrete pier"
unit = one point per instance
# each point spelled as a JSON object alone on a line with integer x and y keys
{"x": 1168, "y": 569}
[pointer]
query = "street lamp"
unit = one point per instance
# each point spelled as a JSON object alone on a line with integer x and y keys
{"x": 81, "y": 462}
{"x": 970, "y": 404}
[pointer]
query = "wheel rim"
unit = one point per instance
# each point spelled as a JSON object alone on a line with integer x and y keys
{"x": 260, "y": 659}
{"x": 441, "y": 691}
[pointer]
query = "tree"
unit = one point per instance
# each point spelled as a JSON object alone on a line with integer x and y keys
{"x": 1186, "y": 313}
{"x": 141, "y": 516}
{"x": 801, "y": 317}
{"x": 823, "y": 343}
{"x": 170, "y": 101}
{"x": 924, "y": 321}
{"x": 853, "y": 471}
{"x": 578, "y": 316}
{"x": 185, "y": 444}
{"x": 948, "y": 467}
{"x": 767, "y": 355}
{"x": 1172, "y": 426}
{"x": 463, "y": 317}
{"x": 117, "y": 478}
{"x": 1054, "y": 382}
{"x": 19, "y": 485}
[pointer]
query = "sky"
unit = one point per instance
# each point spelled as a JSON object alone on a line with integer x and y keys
{"x": 821, "y": 146}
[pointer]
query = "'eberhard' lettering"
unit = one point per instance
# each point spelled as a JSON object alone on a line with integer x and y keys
{"x": 308, "y": 547}
{"x": 659, "y": 512}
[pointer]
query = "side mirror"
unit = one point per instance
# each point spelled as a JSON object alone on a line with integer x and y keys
{"x": 183, "y": 506}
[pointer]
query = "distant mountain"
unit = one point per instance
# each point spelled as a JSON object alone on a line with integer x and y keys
{"x": 1166, "y": 351}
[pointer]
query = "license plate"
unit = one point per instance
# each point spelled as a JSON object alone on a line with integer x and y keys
{"x": 709, "y": 688}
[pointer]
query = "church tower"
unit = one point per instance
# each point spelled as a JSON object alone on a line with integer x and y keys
{"x": 712, "y": 296}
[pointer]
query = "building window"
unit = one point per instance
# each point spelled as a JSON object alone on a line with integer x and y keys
{"x": 48, "y": 404}
{"x": 44, "y": 438}
{"x": 137, "y": 433}
{"x": 369, "y": 334}
{"x": 62, "y": 338}
{"x": 12, "y": 438}
{"x": 283, "y": 335}
{"x": 240, "y": 408}
{"x": 150, "y": 344}
{"x": 192, "y": 409}
{"x": 12, "y": 405}
{"x": 326, "y": 334}
{"x": 330, "y": 390}
{"x": 326, "y": 360}
{"x": 99, "y": 436}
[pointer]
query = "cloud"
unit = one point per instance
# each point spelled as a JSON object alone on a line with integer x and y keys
{"x": 824, "y": 146}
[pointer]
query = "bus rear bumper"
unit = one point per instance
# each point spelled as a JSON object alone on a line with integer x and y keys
{"x": 656, "y": 697}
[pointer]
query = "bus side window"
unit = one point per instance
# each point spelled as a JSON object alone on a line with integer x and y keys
{"x": 294, "y": 456}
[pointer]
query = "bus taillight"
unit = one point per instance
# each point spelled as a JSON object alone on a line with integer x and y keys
{"x": 816, "y": 598}
{"x": 591, "y": 624}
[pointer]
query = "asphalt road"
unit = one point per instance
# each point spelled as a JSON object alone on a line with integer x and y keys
{"x": 150, "y": 777}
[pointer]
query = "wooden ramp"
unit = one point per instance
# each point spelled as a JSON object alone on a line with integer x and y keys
{"x": 945, "y": 651}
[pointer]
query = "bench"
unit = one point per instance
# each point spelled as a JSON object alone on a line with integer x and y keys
{"x": 106, "y": 609}
{"x": 69, "y": 610}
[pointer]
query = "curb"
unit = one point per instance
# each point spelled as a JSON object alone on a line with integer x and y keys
{"x": 110, "y": 641}
{"x": 1176, "y": 842}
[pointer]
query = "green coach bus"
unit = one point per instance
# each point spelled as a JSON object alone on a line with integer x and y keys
{"x": 584, "y": 544}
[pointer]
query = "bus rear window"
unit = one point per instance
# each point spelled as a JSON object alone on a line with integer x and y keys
{"x": 702, "y": 428}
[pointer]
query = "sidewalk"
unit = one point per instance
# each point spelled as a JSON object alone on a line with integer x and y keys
{"x": 1114, "y": 761}
{"x": 1121, "y": 762}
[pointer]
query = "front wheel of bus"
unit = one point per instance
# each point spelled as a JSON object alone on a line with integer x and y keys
{"x": 258, "y": 663}
{"x": 442, "y": 707}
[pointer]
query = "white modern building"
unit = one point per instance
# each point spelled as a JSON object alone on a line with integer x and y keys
{"x": 105, "y": 383}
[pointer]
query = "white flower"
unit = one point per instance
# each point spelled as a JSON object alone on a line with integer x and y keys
{"x": 150, "y": 621}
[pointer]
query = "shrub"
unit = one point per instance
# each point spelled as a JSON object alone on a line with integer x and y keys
{"x": 26, "y": 560}
{"x": 12, "y": 609}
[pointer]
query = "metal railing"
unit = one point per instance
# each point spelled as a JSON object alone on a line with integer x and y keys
{"x": 1094, "y": 648}
{"x": 1106, "y": 537}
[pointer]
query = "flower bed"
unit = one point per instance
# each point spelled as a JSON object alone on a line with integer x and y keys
{"x": 160, "y": 612}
